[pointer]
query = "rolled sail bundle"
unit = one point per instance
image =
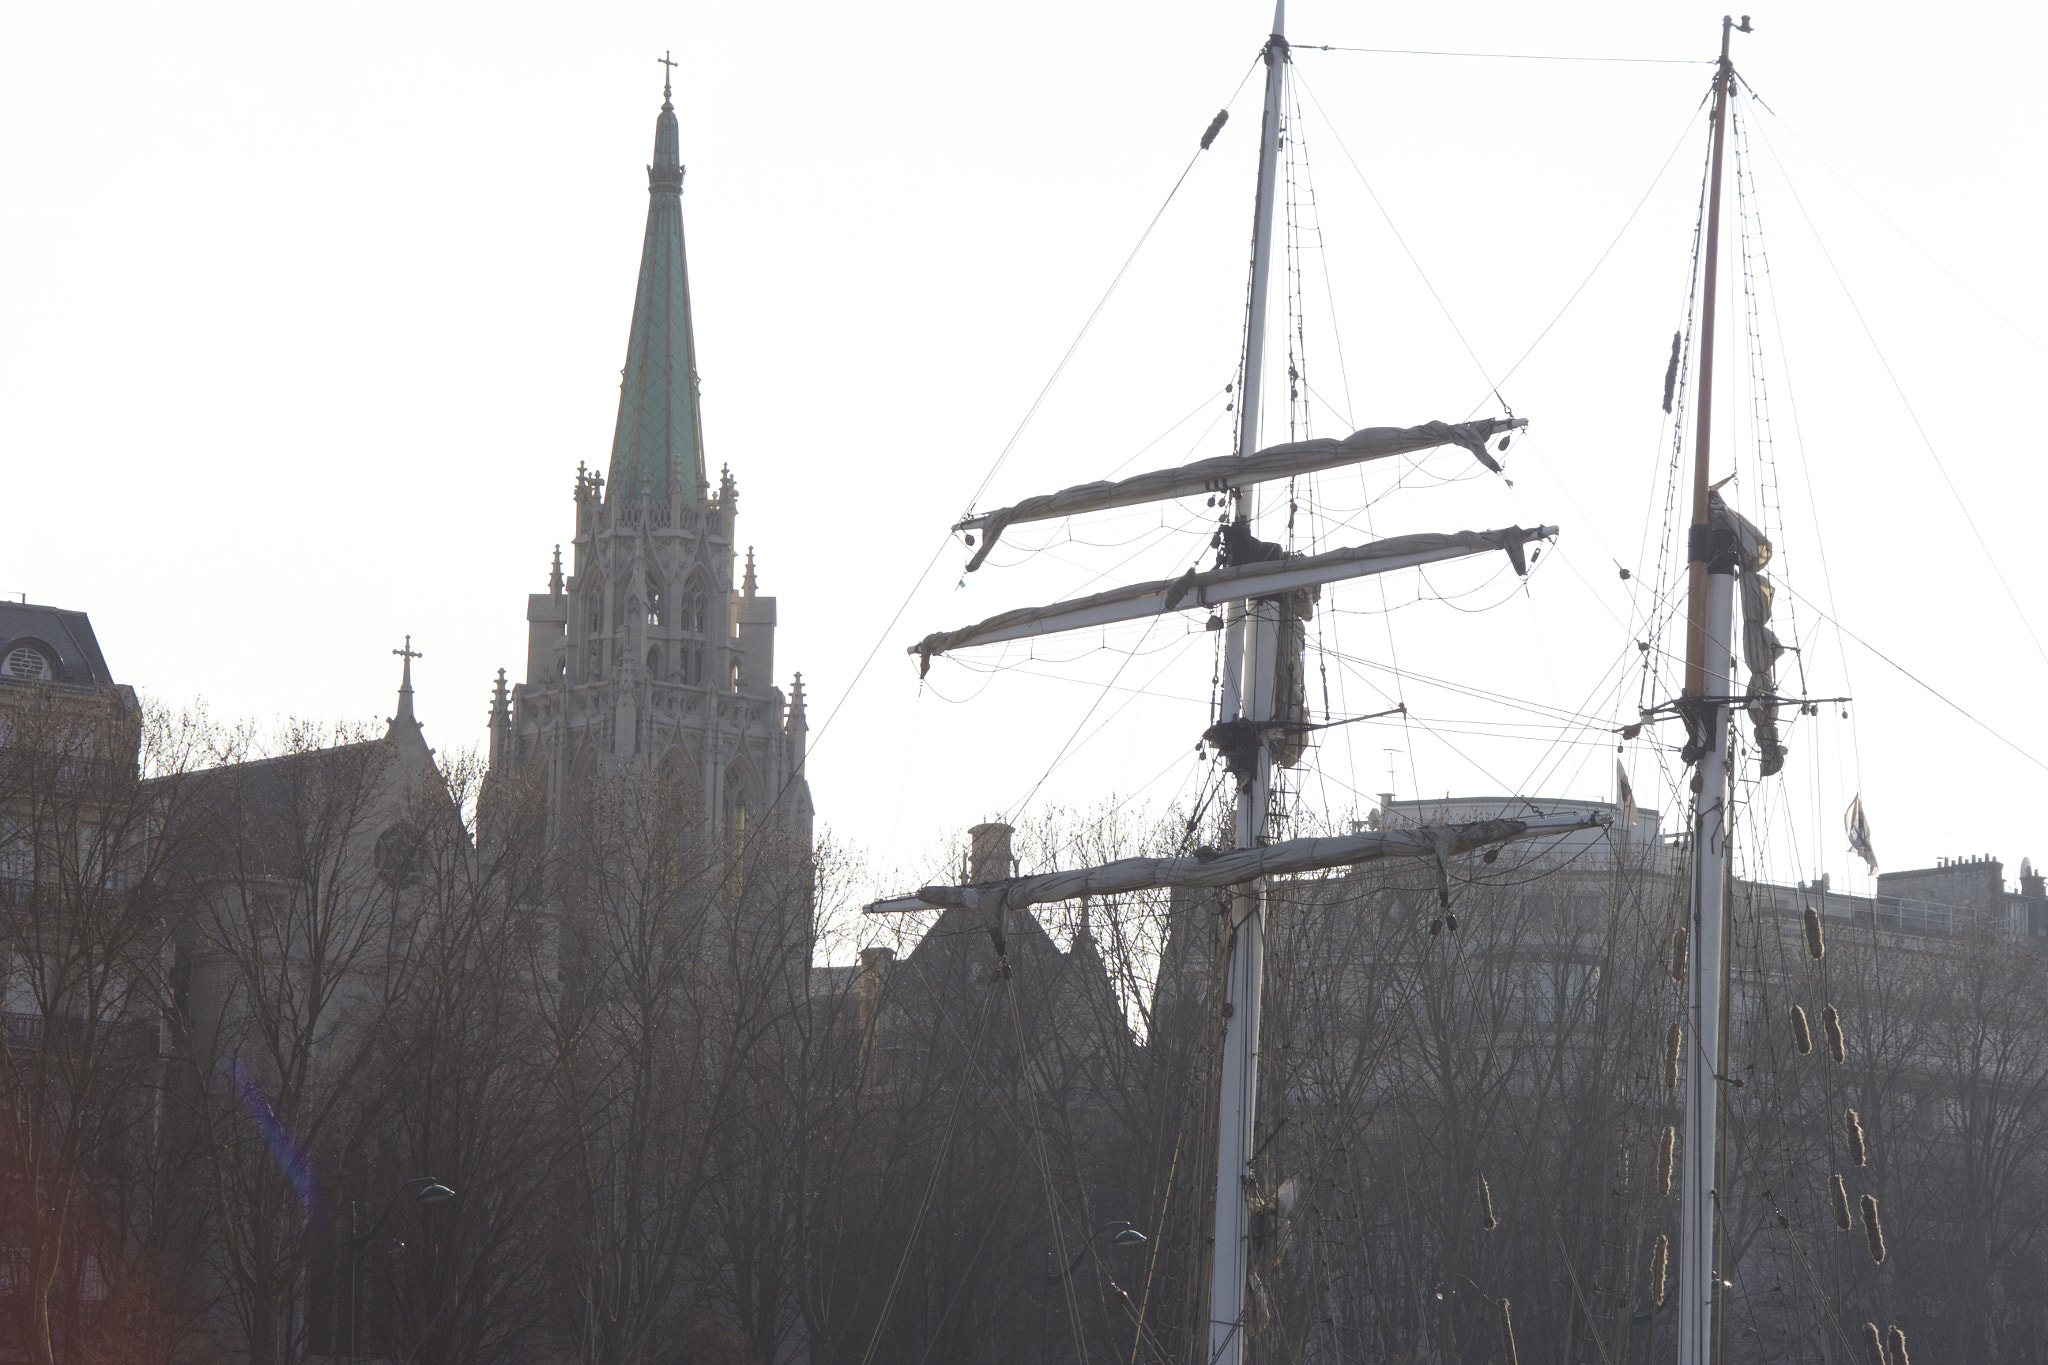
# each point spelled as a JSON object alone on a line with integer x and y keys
{"x": 1760, "y": 645}
{"x": 1234, "y": 868}
{"x": 1231, "y": 471}
{"x": 1262, "y": 578}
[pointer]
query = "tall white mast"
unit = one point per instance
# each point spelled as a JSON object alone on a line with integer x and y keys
{"x": 1248, "y": 681}
{"x": 1708, "y": 686}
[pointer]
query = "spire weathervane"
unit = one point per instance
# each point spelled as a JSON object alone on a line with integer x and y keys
{"x": 670, "y": 68}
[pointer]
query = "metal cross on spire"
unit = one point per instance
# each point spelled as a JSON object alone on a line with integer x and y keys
{"x": 405, "y": 683}
{"x": 665, "y": 91}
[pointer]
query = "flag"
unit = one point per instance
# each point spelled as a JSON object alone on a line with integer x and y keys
{"x": 1859, "y": 832}
{"x": 1624, "y": 796}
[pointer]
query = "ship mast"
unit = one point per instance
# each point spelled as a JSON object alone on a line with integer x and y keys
{"x": 1248, "y": 582}
{"x": 1249, "y": 652}
{"x": 1708, "y": 685}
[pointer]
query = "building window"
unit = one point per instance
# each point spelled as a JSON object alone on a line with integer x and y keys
{"x": 700, "y": 613}
{"x": 735, "y": 675}
{"x": 593, "y": 610}
{"x": 657, "y": 604}
{"x": 654, "y": 663}
{"x": 398, "y": 855}
{"x": 28, "y": 663}
{"x": 735, "y": 805}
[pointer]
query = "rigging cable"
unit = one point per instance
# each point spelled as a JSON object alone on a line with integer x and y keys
{"x": 1122, "y": 270}
{"x": 1502, "y": 56}
{"x": 1913, "y": 677}
{"x": 1931, "y": 259}
{"x": 924, "y": 1204}
{"x": 1373, "y": 194}
{"x": 1899, "y": 389}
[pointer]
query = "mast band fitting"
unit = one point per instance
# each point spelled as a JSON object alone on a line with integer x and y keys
{"x": 1713, "y": 546}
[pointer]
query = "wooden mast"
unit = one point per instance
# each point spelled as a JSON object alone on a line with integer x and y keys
{"x": 1696, "y": 615}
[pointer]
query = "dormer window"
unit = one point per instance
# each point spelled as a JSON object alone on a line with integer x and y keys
{"x": 28, "y": 664}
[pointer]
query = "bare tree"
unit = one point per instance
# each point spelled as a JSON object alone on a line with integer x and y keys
{"x": 87, "y": 877}
{"x": 301, "y": 947}
{"x": 681, "y": 954}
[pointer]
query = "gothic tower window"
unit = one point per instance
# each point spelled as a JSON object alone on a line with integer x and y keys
{"x": 700, "y": 613}
{"x": 657, "y": 604}
{"x": 735, "y": 803}
{"x": 593, "y": 610}
{"x": 654, "y": 663}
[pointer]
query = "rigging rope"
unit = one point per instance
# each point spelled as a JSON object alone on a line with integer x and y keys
{"x": 1102, "y": 303}
{"x": 939, "y": 1164}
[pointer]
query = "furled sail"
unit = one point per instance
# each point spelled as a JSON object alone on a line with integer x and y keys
{"x": 1230, "y": 471}
{"x": 1261, "y": 579}
{"x": 1284, "y": 858}
{"x": 1760, "y": 645}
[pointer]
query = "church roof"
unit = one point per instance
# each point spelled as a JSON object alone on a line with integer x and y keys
{"x": 660, "y": 436}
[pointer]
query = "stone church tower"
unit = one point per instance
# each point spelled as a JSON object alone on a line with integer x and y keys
{"x": 646, "y": 653}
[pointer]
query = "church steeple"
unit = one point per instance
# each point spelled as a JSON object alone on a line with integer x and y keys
{"x": 405, "y": 716}
{"x": 659, "y": 441}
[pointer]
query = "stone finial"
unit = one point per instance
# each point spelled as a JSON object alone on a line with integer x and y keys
{"x": 747, "y": 584}
{"x": 798, "y": 723}
{"x": 555, "y": 575}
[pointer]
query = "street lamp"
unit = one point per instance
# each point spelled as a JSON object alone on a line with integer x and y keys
{"x": 1130, "y": 1236}
{"x": 431, "y": 1192}
{"x": 1127, "y": 1236}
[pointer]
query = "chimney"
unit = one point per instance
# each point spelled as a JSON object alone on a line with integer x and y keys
{"x": 990, "y": 861}
{"x": 2032, "y": 883}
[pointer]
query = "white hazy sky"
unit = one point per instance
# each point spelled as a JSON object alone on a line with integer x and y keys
{"x": 307, "y": 315}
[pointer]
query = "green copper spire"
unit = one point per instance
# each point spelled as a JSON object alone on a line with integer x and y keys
{"x": 660, "y": 437}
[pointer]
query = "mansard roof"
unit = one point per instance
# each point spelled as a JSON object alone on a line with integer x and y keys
{"x": 660, "y": 436}
{"x": 62, "y": 640}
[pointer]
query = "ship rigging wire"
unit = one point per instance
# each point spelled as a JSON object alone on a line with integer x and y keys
{"x": 1912, "y": 414}
{"x": 1501, "y": 56}
{"x": 1102, "y": 303}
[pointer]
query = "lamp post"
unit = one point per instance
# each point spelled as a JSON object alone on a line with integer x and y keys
{"x": 1128, "y": 1236}
{"x": 431, "y": 1192}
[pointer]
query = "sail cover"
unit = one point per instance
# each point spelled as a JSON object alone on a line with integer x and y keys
{"x": 1760, "y": 644}
{"x": 1261, "y": 579}
{"x": 1287, "y": 857}
{"x": 1229, "y": 471}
